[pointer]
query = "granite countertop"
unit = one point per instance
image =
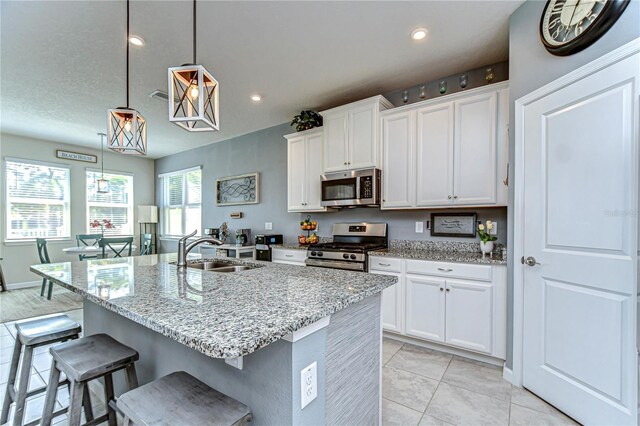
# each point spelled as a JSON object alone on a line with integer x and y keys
{"x": 439, "y": 255}
{"x": 289, "y": 247}
{"x": 222, "y": 315}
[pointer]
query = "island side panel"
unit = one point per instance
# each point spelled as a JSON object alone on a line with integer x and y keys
{"x": 353, "y": 364}
{"x": 264, "y": 383}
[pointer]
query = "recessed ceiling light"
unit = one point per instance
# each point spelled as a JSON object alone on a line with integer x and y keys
{"x": 136, "y": 40}
{"x": 256, "y": 98}
{"x": 419, "y": 33}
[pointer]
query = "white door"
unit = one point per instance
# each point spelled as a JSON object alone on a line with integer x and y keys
{"x": 475, "y": 150}
{"x": 434, "y": 143}
{"x": 392, "y": 304}
{"x": 398, "y": 181}
{"x": 425, "y": 305}
{"x": 362, "y": 137}
{"x": 335, "y": 141}
{"x": 469, "y": 317}
{"x": 580, "y": 207}
{"x": 296, "y": 158}
{"x": 313, "y": 193}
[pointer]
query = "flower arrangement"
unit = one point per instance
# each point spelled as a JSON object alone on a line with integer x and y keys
{"x": 102, "y": 224}
{"x": 485, "y": 232}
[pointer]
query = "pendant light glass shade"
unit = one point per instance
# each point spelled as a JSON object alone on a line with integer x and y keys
{"x": 127, "y": 131}
{"x": 193, "y": 98}
{"x": 102, "y": 185}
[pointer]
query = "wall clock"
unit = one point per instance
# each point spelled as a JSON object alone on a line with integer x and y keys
{"x": 569, "y": 26}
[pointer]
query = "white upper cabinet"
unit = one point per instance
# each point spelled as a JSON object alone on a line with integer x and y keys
{"x": 351, "y": 135}
{"x": 304, "y": 168}
{"x": 458, "y": 151}
{"x": 398, "y": 145}
{"x": 475, "y": 150}
{"x": 434, "y": 155}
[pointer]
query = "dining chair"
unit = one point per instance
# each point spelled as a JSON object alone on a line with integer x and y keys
{"x": 146, "y": 244}
{"x": 87, "y": 240}
{"x": 123, "y": 243}
{"x": 43, "y": 253}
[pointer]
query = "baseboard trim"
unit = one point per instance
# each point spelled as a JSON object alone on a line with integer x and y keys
{"x": 447, "y": 349}
{"x": 26, "y": 284}
{"x": 507, "y": 374}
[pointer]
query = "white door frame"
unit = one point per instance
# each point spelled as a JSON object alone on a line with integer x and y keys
{"x": 629, "y": 49}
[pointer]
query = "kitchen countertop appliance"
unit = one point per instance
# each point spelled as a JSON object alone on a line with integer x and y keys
{"x": 351, "y": 245}
{"x": 355, "y": 188}
{"x": 242, "y": 237}
{"x": 264, "y": 243}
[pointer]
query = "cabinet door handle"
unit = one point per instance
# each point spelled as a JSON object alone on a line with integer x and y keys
{"x": 449, "y": 197}
{"x": 448, "y": 289}
{"x": 445, "y": 269}
{"x": 345, "y": 163}
{"x": 455, "y": 197}
{"x": 384, "y": 264}
{"x": 441, "y": 289}
{"x": 506, "y": 181}
{"x": 288, "y": 255}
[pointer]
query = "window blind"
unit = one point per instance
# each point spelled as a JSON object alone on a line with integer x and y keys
{"x": 37, "y": 201}
{"x": 181, "y": 208}
{"x": 115, "y": 205}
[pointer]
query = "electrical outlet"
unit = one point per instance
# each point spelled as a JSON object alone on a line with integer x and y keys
{"x": 268, "y": 226}
{"x": 309, "y": 384}
{"x": 420, "y": 227}
{"x": 494, "y": 231}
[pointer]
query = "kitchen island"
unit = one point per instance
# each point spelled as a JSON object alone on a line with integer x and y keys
{"x": 248, "y": 334}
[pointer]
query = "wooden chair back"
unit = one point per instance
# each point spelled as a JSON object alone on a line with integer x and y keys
{"x": 87, "y": 240}
{"x": 110, "y": 242}
{"x": 43, "y": 253}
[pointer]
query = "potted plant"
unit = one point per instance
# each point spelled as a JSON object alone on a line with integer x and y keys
{"x": 307, "y": 120}
{"x": 486, "y": 239}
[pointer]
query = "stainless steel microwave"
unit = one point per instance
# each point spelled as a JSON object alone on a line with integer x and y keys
{"x": 353, "y": 188}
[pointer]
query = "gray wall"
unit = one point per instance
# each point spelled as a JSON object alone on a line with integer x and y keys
{"x": 531, "y": 67}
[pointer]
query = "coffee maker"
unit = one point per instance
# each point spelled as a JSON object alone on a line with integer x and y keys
{"x": 264, "y": 243}
{"x": 243, "y": 236}
{"x": 212, "y": 232}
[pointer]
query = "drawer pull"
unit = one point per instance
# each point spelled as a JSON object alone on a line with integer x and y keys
{"x": 384, "y": 264}
{"x": 445, "y": 269}
{"x": 288, "y": 255}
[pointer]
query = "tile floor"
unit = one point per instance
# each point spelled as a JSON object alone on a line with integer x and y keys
{"x": 425, "y": 387}
{"x": 419, "y": 387}
{"x": 39, "y": 375}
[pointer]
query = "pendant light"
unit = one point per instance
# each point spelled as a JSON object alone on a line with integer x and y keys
{"x": 127, "y": 128}
{"x": 193, "y": 94}
{"x": 102, "y": 183}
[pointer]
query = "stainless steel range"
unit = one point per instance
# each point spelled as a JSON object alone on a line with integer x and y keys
{"x": 350, "y": 247}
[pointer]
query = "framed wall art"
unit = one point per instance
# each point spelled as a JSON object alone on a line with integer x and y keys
{"x": 453, "y": 225}
{"x": 237, "y": 190}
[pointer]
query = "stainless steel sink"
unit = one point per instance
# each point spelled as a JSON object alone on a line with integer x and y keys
{"x": 220, "y": 266}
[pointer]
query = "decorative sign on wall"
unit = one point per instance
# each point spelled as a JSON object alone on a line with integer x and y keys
{"x": 453, "y": 225}
{"x": 235, "y": 190}
{"x": 70, "y": 155}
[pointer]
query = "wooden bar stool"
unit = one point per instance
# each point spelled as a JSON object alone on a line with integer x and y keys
{"x": 31, "y": 334}
{"x": 83, "y": 360}
{"x": 181, "y": 399}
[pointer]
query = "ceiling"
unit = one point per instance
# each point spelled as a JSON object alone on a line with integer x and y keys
{"x": 63, "y": 62}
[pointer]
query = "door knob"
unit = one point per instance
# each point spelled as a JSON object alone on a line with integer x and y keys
{"x": 529, "y": 261}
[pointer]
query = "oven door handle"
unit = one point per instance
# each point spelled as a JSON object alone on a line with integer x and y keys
{"x": 336, "y": 264}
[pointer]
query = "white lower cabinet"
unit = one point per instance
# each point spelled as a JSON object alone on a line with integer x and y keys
{"x": 289, "y": 256}
{"x": 456, "y": 304}
{"x": 425, "y": 307}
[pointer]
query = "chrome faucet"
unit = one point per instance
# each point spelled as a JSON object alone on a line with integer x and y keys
{"x": 184, "y": 248}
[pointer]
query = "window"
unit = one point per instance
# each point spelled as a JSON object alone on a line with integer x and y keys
{"x": 181, "y": 209}
{"x": 115, "y": 205}
{"x": 37, "y": 201}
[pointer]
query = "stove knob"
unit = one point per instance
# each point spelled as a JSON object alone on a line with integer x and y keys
{"x": 353, "y": 257}
{"x": 313, "y": 253}
{"x": 346, "y": 256}
{"x": 319, "y": 254}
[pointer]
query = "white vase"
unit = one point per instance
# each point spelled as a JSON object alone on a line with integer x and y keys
{"x": 486, "y": 247}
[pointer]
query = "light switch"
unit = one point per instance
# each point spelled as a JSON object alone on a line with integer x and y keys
{"x": 268, "y": 226}
{"x": 420, "y": 227}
